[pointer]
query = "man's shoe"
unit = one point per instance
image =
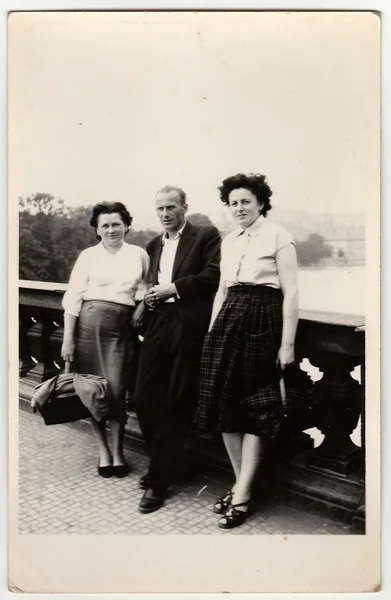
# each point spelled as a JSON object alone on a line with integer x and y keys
{"x": 152, "y": 500}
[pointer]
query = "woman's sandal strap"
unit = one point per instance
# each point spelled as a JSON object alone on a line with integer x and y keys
{"x": 222, "y": 503}
{"x": 233, "y": 517}
{"x": 247, "y": 503}
{"x": 232, "y": 514}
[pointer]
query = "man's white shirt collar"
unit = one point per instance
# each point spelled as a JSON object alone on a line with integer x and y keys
{"x": 177, "y": 236}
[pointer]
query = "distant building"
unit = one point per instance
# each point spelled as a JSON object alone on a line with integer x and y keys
{"x": 350, "y": 248}
{"x": 344, "y": 233}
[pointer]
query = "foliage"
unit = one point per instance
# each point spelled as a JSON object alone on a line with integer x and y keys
{"x": 140, "y": 237}
{"x": 312, "y": 250}
{"x": 199, "y": 219}
{"x": 51, "y": 237}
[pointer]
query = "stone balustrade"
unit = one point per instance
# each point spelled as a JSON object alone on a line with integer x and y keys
{"x": 329, "y": 477}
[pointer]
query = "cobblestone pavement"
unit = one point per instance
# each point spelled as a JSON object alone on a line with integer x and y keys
{"x": 61, "y": 492}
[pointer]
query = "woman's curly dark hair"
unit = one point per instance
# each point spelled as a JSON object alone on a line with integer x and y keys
{"x": 256, "y": 183}
{"x": 107, "y": 208}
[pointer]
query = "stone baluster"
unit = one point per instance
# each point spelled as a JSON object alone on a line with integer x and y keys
{"x": 291, "y": 438}
{"x": 41, "y": 347}
{"x": 338, "y": 401}
{"x": 26, "y": 362}
{"x": 360, "y": 331}
{"x": 363, "y": 434}
{"x": 359, "y": 524}
{"x": 56, "y": 341}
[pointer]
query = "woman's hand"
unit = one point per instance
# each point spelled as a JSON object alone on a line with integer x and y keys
{"x": 138, "y": 315}
{"x": 150, "y": 300}
{"x": 286, "y": 356}
{"x": 68, "y": 350}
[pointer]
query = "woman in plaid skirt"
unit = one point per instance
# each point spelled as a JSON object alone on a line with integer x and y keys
{"x": 251, "y": 336}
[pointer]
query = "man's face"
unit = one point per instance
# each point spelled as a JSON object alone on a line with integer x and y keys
{"x": 170, "y": 210}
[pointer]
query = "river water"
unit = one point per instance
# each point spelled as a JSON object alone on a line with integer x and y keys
{"x": 335, "y": 289}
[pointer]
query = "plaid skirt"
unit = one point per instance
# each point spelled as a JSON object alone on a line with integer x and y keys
{"x": 239, "y": 382}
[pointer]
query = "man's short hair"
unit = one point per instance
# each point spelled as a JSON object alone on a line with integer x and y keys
{"x": 166, "y": 189}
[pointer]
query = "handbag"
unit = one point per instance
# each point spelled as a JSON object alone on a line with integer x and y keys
{"x": 297, "y": 396}
{"x": 58, "y": 401}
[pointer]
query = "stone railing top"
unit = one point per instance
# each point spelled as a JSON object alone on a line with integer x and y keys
{"x": 328, "y": 318}
{"x": 42, "y": 286}
{"x": 332, "y": 318}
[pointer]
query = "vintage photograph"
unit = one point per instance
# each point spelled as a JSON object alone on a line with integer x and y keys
{"x": 195, "y": 197}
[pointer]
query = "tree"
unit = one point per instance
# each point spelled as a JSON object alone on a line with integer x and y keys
{"x": 51, "y": 237}
{"x": 199, "y": 219}
{"x": 42, "y": 204}
{"x": 37, "y": 215}
{"x": 312, "y": 250}
{"x": 140, "y": 237}
{"x": 34, "y": 257}
{"x": 71, "y": 233}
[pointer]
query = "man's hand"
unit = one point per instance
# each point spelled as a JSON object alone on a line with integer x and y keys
{"x": 160, "y": 293}
{"x": 138, "y": 315}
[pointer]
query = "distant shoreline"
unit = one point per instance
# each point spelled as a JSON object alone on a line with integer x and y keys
{"x": 331, "y": 266}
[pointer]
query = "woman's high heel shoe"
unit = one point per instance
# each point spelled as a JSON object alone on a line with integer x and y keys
{"x": 105, "y": 472}
{"x": 121, "y": 470}
{"x": 223, "y": 503}
{"x": 233, "y": 517}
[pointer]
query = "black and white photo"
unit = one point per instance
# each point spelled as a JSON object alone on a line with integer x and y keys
{"x": 195, "y": 199}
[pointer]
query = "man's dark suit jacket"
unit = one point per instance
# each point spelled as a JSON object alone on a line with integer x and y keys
{"x": 196, "y": 273}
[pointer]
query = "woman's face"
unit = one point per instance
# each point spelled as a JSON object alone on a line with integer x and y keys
{"x": 244, "y": 207}
{"x": 111, "y": 229}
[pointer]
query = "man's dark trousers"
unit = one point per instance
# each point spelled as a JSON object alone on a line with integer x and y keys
{"x": 167, "y": 383}
{"x": 168, "y": 373}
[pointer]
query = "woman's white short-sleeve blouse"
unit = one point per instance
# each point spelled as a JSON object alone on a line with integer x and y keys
{"x": 248, "y": 256}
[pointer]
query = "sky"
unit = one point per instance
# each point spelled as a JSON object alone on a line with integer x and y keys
{"x": 107, "y": 106}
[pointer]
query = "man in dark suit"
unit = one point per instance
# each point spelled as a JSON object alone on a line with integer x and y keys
{"x": 185, "y": 276}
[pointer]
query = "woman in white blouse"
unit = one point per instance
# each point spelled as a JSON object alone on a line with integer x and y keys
{"x": 251, "y": 337}
{"x": 99, "y": 304}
